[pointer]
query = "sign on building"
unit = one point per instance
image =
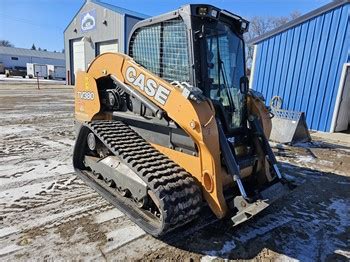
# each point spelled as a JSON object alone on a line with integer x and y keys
{"x": 88, "y": 20}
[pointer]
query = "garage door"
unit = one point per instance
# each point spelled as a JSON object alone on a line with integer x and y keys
{"x": 108, "y": 46}
{"x": 78, "y": 56}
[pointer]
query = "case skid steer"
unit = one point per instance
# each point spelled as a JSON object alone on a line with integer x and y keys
{"x": 172, "y": 127}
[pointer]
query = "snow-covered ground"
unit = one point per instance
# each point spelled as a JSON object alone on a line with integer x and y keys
{"x": 47, "y": 213}
{"x": 28, "y": 80}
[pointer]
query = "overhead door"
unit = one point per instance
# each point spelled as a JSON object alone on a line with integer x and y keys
{"x": 78, "y": 56}
{"x": 108, "y": 46}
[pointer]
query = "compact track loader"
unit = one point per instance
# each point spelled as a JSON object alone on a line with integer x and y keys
{"x": 172, "y": 127}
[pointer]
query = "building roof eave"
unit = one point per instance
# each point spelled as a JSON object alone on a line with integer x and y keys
{"x": 16, "y": 51}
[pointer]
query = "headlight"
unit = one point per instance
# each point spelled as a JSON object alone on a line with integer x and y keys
{"x": 202, "y": 11}
{"x": 244, "y": 26}
{"x": 214, "y": 13}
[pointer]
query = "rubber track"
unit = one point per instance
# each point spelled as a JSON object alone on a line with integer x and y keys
{"x": 179, "y": 197}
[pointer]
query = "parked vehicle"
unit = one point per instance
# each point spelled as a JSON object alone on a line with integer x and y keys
{"x": 34, "y": 70}
{"x": 16, "y": 71}
{"x": 56, "y": 72}
{"x": 2, "y": 68}
{"x": 59, "y": 72}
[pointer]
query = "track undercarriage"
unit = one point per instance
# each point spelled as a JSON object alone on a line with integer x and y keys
{"x": 162, "y": 196}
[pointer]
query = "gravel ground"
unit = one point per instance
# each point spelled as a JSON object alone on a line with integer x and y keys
{"x": 48, "y": 213}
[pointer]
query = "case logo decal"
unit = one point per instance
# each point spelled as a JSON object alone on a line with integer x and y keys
{"x": 149, "y": 86}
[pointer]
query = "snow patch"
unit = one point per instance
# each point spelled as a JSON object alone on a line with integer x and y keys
{"x": 284, "y": 258}
{"x": 343, "y": 253}
{"x": 15, "y": 129}
{"x": 32, "y": 170}
{"x": 226, "y": 248}
{"x": 208, "y": 258}
{"x": 30, "y": 80}
{"x": 4, "y": 232}
{"x": 305, "y": 159}
{"x": 122, "y": 236}
{"x": 9, "y": 249}
{"x": 108, "y": 215}
{"x": 10, "y": 196}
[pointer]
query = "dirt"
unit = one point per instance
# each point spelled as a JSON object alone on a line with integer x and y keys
{"x": 67, "y": 230}
{"x": 170, "y": 253}
{"x": 47, "y": 213}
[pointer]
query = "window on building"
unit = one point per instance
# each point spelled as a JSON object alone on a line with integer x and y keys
{"x": 14, "y": 58}
{"x": 162, "y": 49}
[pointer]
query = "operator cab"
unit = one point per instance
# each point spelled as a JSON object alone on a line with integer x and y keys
{"x": 203, "y": 46}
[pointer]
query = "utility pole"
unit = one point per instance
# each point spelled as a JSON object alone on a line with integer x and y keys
{"x": 37, "y": 79}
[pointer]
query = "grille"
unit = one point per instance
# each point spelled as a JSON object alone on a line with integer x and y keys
{"x": 287, "y": 114}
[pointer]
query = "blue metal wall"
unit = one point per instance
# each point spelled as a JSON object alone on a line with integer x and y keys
{"x": 303, "y": 65}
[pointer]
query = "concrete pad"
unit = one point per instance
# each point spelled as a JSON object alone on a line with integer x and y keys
{"x": 335, "y": 137}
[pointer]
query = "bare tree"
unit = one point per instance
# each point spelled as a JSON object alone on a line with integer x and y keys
{"x": 295, "y": 14}
{"x": 6, "y": 43}
{"x": 260, "y": 25}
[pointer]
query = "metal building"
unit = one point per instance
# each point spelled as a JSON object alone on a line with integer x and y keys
{"x": 96, "y": 28}
{"x": 12, "y": 57}
{"x": 306, "y": 63}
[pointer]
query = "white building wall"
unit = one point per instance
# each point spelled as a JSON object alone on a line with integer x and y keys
{"x": 9, "y": 61}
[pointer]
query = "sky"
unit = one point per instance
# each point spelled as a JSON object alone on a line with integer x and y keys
{"x": 42, "y": 22}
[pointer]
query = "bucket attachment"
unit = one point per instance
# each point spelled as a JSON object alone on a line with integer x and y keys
{"x": 289, "y": 127}
{"x": 267, "y": 197}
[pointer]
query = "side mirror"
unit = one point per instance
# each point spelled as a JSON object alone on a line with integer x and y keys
{"x": 244, "y": 85}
